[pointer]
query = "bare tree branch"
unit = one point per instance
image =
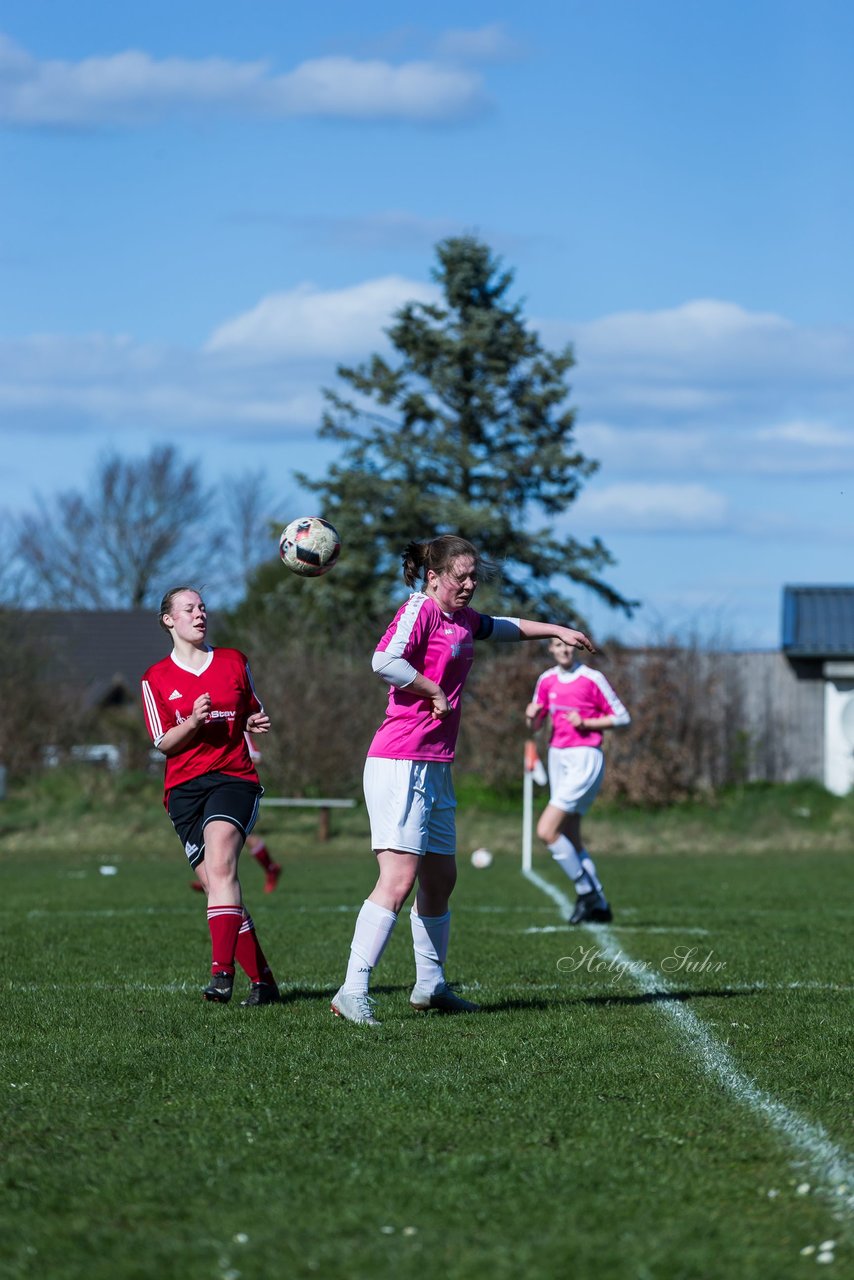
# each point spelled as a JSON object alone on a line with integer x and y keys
{"x": 142, "y": 524}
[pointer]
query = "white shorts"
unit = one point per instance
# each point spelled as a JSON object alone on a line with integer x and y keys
{"x": 411, "y": 805}
{"x": 575, "y": 776}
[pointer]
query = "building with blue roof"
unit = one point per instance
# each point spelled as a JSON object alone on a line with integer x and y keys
{"x": 818, "y": 622}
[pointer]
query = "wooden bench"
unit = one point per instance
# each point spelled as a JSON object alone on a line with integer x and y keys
{"x": 323, "y": 805}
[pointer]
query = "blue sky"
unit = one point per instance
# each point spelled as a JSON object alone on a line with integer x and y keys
{"x": 206, "y": 206}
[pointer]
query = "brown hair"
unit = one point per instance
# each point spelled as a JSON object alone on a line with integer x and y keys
{"x": 169, "y": 599}
{"x": 438, "y": 554}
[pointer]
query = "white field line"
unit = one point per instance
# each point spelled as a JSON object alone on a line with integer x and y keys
{"x": 37, "y": 913}
{"x": 610, "y": 988}
{"x": 832, "y": 1167}
{"x": 352, "y": 908}
{"x": 311, "y": 985}
{"x": 623, "y": 928}
{"x": 161, "y": 988}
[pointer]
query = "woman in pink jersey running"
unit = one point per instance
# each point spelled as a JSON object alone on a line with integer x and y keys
{"x": 425, "y": 657}
{"x": 580, "y": 705}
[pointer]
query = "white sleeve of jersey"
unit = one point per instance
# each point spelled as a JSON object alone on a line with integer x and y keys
{"x": 152, "y": 715}
{"x": 395, "y": 671}
{"x": 505, "y": 629}
{"x": 618, "y": 711}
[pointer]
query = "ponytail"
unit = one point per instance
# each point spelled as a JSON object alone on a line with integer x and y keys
{"x": 414, "y": 560}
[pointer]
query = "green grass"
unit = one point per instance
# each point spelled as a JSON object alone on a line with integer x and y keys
{"x": 568, "y": 1130}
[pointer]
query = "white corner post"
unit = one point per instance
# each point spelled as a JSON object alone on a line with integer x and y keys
{"x": 528, "y": 805}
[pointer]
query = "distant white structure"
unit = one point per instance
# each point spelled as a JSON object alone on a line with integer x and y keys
{"x": 818, "y": 640}
{"x": 839, "y": 728}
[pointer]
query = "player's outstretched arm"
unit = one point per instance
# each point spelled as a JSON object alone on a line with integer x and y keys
{"x": 531, "y": 630}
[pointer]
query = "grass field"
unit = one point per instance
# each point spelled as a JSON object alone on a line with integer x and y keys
{"x": 668, "y": 1097}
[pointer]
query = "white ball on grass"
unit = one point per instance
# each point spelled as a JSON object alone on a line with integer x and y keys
{"x": 481, "y": 858}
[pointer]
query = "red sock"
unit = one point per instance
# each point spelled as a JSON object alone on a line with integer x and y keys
{"x": 262, "y": 853}
{"x": 224, "y": 924}
{"x": 249, "y": 955}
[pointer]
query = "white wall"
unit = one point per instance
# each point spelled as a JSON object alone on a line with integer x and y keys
{"x": 839, "y": 735}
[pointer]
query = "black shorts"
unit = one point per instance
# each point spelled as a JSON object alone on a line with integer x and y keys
{"x": 214, "y": 796}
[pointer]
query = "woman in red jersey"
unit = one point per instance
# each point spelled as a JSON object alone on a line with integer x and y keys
{"x": 199, "y": 703}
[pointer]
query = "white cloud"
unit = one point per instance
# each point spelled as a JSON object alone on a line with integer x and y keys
{"x": 712, "y": 366}
{"x": 310, "y": 321}
{"x": 628, "y": 449}
{"x": 54, "y": 383}
{"x": 694, "y": 349}
{"x": 668, "y": 398}
{"x": 705, "y": 324}
{"x": 703, "y": 348}
{"x": 725, "y": 448}
{"x": 418, "y": 91}
{"x": 812, "y": 435}
{"x": 386, "y": 229}
{"x": 490, "y": 43}
{"x": 383, "y": 230}
{"x": 132, "y": 87}
{"x": 653, "y": 508}
{"x": 261, "y": 373}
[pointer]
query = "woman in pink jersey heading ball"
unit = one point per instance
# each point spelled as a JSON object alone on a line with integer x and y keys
{"x": 580, "y": 705}
{"x": 425, "y": 657}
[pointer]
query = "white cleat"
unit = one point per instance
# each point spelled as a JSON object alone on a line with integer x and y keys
{"x": 354, "y": 1008}
{"x": 443, "y": 999}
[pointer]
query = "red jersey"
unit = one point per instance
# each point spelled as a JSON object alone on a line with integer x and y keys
{"x": 169, "y": 690}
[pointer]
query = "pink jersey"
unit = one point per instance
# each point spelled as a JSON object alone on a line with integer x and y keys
{"x": 583, "y": 690}
{"x": 439, "y": 646}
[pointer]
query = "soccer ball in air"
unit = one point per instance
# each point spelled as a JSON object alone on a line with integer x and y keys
{"x": 309, "y": 546}
{"x": 481, "y": 858}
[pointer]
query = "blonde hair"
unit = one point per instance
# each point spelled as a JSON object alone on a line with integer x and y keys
{"x": 168, "y": 601}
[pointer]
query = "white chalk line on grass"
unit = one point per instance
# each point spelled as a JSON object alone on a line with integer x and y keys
{"x": 107, "y": 913}
{"x": 349, "y": 908}
{"x": 160, "y": 988}
{"x": 832, "y": 1167}
{"x": 38, "y": 913}
{"x": 624, "y": 928}
{"x": 310, "y": 985}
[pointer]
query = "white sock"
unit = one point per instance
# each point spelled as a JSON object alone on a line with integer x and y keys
{"x": 430, "y": 936}
{"x": 590, "y": 867}
{"x": 563, "y": 852}
{"x": 374, "y": 926}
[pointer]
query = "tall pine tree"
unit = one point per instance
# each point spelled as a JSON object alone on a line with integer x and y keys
{"x": 468, "y": 431}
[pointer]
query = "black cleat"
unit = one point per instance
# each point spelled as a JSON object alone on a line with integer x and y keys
{"x": 261, "y": 993}
{"x": 591, "y": 908}
{"x": 219, "y": 988}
